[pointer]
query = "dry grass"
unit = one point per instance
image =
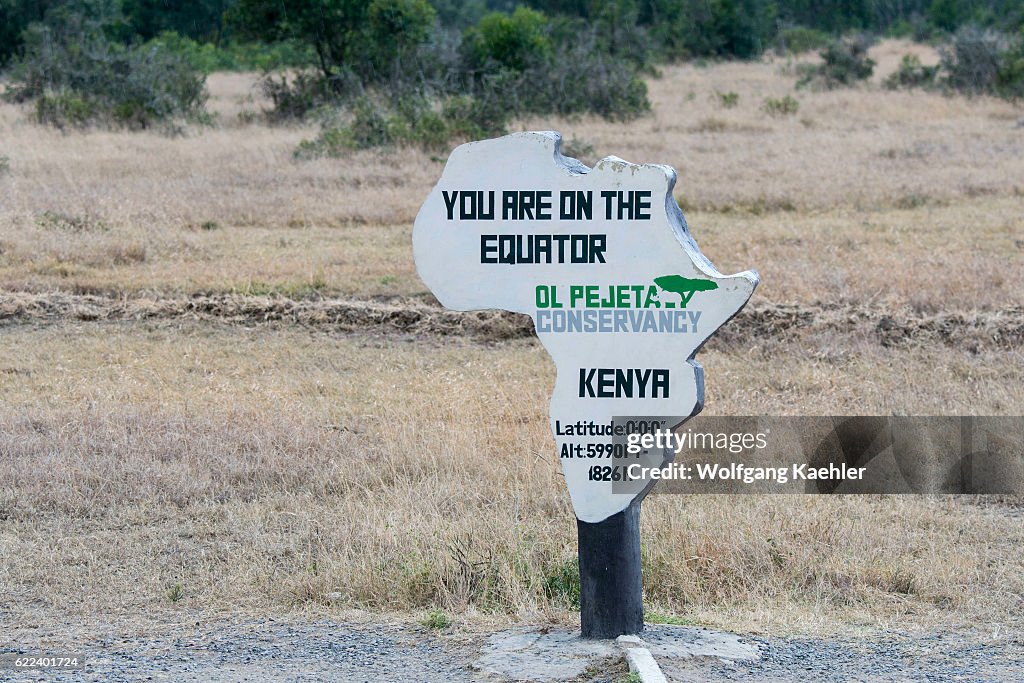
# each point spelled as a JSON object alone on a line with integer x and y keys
{"x": 963, "y": 256}
{"x": 264, "y": 467}
{"x": 826, "y": 204}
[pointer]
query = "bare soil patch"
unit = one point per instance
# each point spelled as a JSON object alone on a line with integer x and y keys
{"x": 973, "y": 331}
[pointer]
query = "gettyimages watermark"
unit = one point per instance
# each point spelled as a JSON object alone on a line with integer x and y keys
{"x": 820, "y": 455}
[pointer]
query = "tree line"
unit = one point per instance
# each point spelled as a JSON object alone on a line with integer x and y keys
{"x": 381, "y": 72}
{"x": 672, "y": 29}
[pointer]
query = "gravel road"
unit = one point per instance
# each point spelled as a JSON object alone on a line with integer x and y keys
{"x": 271, "y": 650}
{"x": 889, "y": 657}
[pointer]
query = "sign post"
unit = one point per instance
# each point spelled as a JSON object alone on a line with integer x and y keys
{"x": 611, "y": 589}
{"x": 621, "y": 298}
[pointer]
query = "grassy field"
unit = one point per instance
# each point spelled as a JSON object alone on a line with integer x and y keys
{"x": 178, "y": 461}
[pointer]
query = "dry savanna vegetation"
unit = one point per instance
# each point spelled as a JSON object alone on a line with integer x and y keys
{"x": 223, "y": 388}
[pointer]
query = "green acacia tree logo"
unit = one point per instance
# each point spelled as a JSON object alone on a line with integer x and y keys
{"x": 684, "y": 287}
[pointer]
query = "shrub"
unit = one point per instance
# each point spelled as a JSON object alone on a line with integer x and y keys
{"x": 583, "y": 79}
{"x": 507, "y": 66}
{"x": 54, "y": 220}
{"x": 844, "y": 63}
{"x": 176, "y": 592}
{"x": 516, "y": 41}
{"x": 912, "y": 74}
{"x": 972, "y": 60}
{"x": 470, "y": 118}
{"x": 369, "y": 127}
{"x": 1010, "y": 83}
{"x": 578, "y": 148}
{"x": 76, "y": 76}
{"x": 577, "y": 76}
{"x": 780, "y": 106}
{"x": 727, "y": 100}
{"x": 207, "y": 57}
{"x": 295, "y": 97}
{"x": 413, "y": 121}
{"x": 984, "y": 62}
{"x": 798, "y": 39}
{"x": 437, "y": 620}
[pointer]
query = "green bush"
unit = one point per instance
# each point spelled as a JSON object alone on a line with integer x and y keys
{"x": 912, "y": 74}
{"x": 973, "y": 62}
{"x": 368, "y": 127}
{"x": 469, "y": 118}
{"x": 844, "y": 63}
{"x": 76, "y": 76}
{"x": 515, "y": 42}
{"x": 727, "y": 100}
{"x": 579, "y": 148}
{"x": 176, "y": 593}
{"x": 1010, "y": 83}
{"x": 799, "y": 39}
{"x": 777, "y": 107}
{"x": 437, "y": 620}
{"x": 582, "y": 79}
{"x": 65, "y": 109}
{"x": 207, "y": 57}
{"x": 509, "y": 65}
{"x": 413, "y": 121}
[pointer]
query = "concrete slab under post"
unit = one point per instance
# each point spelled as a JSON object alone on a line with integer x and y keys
{"x": 551, "y": 655}
{"x": 611, "y": 586}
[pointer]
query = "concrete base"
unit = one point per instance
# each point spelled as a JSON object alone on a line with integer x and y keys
{"x": 533, "y": 654}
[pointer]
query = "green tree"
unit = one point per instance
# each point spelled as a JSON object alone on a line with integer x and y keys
{"x": 201, "y": 20}
{"x": 948, "y": 14}
{"x": 459, "y": 14}
{"x": 395, "y": 29}
{"x": 715, "y": 28}
{"x": 15, "y": 16}
{"x": 348, "y": 36}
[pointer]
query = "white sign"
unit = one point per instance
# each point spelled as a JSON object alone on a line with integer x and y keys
{"x": 603, "y": 262}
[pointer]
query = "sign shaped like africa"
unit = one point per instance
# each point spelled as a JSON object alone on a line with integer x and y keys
{"x": 622, "y": 299}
